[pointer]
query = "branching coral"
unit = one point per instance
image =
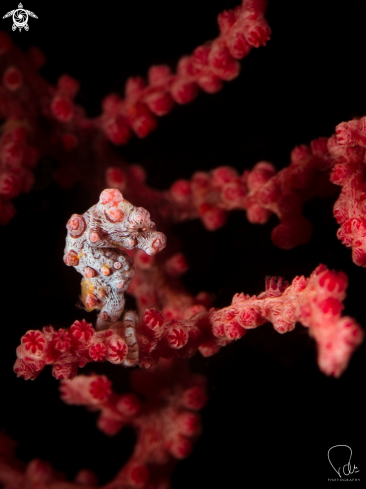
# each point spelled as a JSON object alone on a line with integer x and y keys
{"x": 241, "y": 29}
{"x": 314, "y": 302}
{"x": 113, "y": 245}
{"x": 167, "y": 424}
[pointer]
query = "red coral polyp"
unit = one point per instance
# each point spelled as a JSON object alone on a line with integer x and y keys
{"x": 34, "y": 343}
{"x": 12, "y": 78}
{"x": 82, "y": 331}
{"x": 101, "y": 388}
{"x": 62, "y": 108}
{"x": 97, "y": 352}
{"x": 176, "y": 337}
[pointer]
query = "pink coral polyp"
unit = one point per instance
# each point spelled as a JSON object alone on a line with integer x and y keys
{"x": 34, "y": 343}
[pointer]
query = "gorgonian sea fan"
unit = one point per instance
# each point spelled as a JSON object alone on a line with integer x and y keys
{"x": 115, "y": 246}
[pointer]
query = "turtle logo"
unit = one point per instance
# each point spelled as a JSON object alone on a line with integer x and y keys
{"x": 20, "y": 17}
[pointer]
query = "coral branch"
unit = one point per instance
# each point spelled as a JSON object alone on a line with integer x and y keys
{"x": 349, "y": 172}
{"x": 209, "y": 65}
{"x": 260, "y": 192}
{"x": 313, "y": 171}
{"x": 167, "y": 425}
{"x": 106, "y": 241}
{"x": 315, "y": 302}
{"x": 27, "y": 101}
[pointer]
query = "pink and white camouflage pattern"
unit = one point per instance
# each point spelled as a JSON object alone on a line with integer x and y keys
{"x": 96, "y": 246}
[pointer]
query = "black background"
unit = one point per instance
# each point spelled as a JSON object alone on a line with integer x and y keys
{"x": 272, "y": 416}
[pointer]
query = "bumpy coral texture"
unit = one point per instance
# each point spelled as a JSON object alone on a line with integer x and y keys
{"x": 314, "y": 170}
{"x": 315, "y": 302}
{"x": 96, "y": 246}
{"x": 167, "y": 421}
{"x": 349, "y": 172}
{"x": 261, "y": 192}
{"x": 163, "y": 409}
{"x": 114, "y": 245}
{"x": 27, "y": 100}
